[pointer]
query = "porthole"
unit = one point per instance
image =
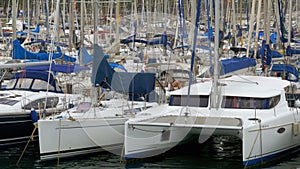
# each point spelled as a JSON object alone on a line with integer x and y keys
{"x": 280, "y": 130}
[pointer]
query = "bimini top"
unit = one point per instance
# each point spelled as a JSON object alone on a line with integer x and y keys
{"x": 254, "y": 86}
{"x": 33, "y": 81}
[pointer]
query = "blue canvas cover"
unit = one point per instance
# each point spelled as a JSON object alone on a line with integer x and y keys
{"x": 41, "y": 75}
{"x": 266, "y": 51}
{"x": 115, "y": 65}
{"x": 122, "y": 82}
{"x": 290, "y": 51}
{"x": 63, "y": 68}
{"x": 234, "y": 64}
{"x": 131, "y": 40}
{"x": 20, "y": 53}
{"x": 286, "y": 68}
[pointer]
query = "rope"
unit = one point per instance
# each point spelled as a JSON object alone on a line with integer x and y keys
{"x": 252, "y": 149}
{"x": 30, "y": 138}
{"x": 122, "y": 157}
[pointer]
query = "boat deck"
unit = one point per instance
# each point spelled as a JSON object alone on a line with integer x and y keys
{"x": 193, "y": 121}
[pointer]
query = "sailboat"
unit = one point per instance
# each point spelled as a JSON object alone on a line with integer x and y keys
{"x": 260, "y": 111}
{"x": 98, "y": 125}
{"x": 27, "y": 92}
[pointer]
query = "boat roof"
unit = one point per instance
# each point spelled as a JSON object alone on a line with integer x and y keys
{"x": 254, "y": 86}
{"x": 242, "y": 86}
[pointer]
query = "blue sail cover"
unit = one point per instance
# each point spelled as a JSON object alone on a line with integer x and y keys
{"x": 20, "y": 53}
{"x": 63, "y": 68}
{"x": 115, "y": 65}
{"x": 290, "y": 51}
{"x": 286, "y": 68}
{"x": 43, "y": 42}
{"x": 131, "y": 40}
{"x": 157, "y": 40}
{"x": 36, "y": 30}
{"x": 122, "y": 82}
{"x": 265, "y": 50}
{"x": 234, "y": 64}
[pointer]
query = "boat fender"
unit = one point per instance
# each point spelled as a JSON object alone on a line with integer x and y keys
{"x": 295, "y": 129}
{"x": 297, "y": 103}
{"x": 34, "y": 116}
{"x": 71, "y": 105}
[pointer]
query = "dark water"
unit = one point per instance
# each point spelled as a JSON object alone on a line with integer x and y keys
{"x": 219, "y": 153}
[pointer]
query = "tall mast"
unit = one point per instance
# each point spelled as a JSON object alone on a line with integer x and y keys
{"x": 47, "y": 17}
{"x": 118, "y": 24}
{"x": 290, "y": 22}
{"x": 14, "y": 17}
{"x": 95, "y": 22}
{"x": 216, "y": 58}
{"x": 197, "y": 18}
{"x": 71, "y": 24}
{"x": 81, "y": 29}
{"x": 251, "y": 26}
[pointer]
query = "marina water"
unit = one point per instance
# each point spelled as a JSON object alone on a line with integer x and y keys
{"x": 219, "y": 153}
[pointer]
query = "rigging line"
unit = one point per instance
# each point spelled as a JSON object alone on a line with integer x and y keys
{"x": 30, "y": 138}
{"x": 243, "y": 81}
{"x": 246, "y": 80}
{"x": 253, "y": 145}
{"x": 114, "y": 90}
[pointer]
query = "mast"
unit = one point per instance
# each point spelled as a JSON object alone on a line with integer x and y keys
{"x": 118, "y": 25}
{"x": 81, "y": 30}
{"x": 251, "y": 26}
{"x": 28, "y": 17}
{"x": 71, "y": 24}
{"x": 257, "y": 27}
{"x": 194, "y": 48}
{"x": 290, "y": 22}
{"x": 214, "y": 98}
{"x": 14, "y": 17}
{"x": 95, "y": 22}
{"x": 234, "y": 22}
{"x": 47, "y": 17}
{"x": 268, "y": 18}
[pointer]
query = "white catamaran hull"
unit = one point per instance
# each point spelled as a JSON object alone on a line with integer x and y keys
{"x": 65, "y": 138}
{"x": 263, "y": 118}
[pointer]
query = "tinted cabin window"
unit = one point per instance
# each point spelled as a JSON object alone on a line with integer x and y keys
{"x": 37, "y": 104}
{"x": 249, "y": 102}
{"x": 194, "y": 101}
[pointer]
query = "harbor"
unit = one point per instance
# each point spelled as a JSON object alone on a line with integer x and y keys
{"x": 149, "y": 84}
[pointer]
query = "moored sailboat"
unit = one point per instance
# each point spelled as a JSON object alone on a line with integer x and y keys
{"x": 98, "y": 125}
